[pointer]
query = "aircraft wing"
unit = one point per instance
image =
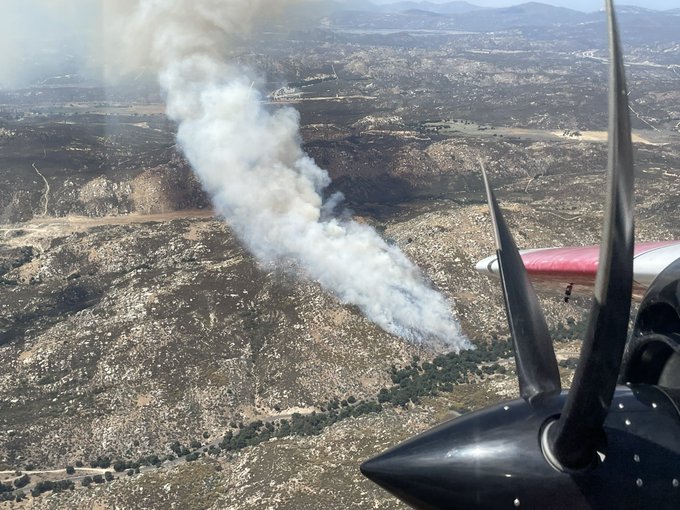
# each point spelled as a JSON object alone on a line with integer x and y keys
{"x": 558, "y": 269}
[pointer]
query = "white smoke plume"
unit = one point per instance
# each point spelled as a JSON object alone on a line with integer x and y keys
{"x": 251, "y": 162}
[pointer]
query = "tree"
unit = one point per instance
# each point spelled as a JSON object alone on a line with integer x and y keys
{"x": 22, "y": 481}
{"x": 153, "y": 460}
{"x": 108, "y": 476}
{"x": 119, "y": 466}
{"x": 87, "y": 481}
{"x": 70, "y": 470}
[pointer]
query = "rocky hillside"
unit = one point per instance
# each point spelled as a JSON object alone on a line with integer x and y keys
{"x": 147, "y": 333}
{"x": 138, "y": 337}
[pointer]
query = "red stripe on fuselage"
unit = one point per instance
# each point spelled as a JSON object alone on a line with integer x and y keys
{"x": 575, "y": 265}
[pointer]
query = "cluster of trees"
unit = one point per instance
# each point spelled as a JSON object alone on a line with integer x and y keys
{"x": 101, "y": 462}
{"x": 6, "y": 492}
{"x": 7, "y": 489}
{"x": 299, "y": 425}
{"x": 44, "y": 486}
{"x": 179, "y": 449}
{"x": 430, "y": 378}
{"x": 182, "y": 451}
{"x": 56, "y": 486}
{"x": 89, "y": 480}
{"x": 569, "y": 363}
{"x": 123, "y": 465}
{"x": 410, "y": 384}
{"x": 573, "y": 330}
{"x": 337, "y": 404}
{"x": 9, "y": 496}
{"x": 249, "y": 435}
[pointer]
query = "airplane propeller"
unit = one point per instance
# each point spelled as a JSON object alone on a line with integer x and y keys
{"x": 573, "y": 438}
{"x": 534, "y": 356}
{"x": 555, "y": 449}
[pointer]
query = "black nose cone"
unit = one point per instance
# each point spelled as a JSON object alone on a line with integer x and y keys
{"x": 481, "y": 460}
{"x": 493, "y": 459}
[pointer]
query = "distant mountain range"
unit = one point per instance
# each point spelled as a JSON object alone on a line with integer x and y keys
{"x": 460, "y": 7}
{"x": 445, "y": 8}
{"x": 461, "y": 15}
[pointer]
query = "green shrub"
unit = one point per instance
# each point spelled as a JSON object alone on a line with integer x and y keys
{"x": 22, "y": 481}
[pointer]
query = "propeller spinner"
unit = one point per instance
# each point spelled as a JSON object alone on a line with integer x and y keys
{"x": 597, "y": 446}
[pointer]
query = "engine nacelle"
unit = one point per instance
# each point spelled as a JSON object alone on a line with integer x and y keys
{"x": 653, "y": 351}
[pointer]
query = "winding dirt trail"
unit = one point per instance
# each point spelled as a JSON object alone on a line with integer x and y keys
{"x": 46, "y": 195}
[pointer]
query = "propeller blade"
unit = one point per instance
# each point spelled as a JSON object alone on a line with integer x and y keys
{"x": 573, "y": 439}
{"x": 536, "y": 364}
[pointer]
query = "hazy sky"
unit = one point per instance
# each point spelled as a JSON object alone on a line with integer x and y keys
{"x": 583, "y": 5}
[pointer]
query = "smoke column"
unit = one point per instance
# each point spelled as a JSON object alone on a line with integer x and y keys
{"x": 251, "y": 162}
